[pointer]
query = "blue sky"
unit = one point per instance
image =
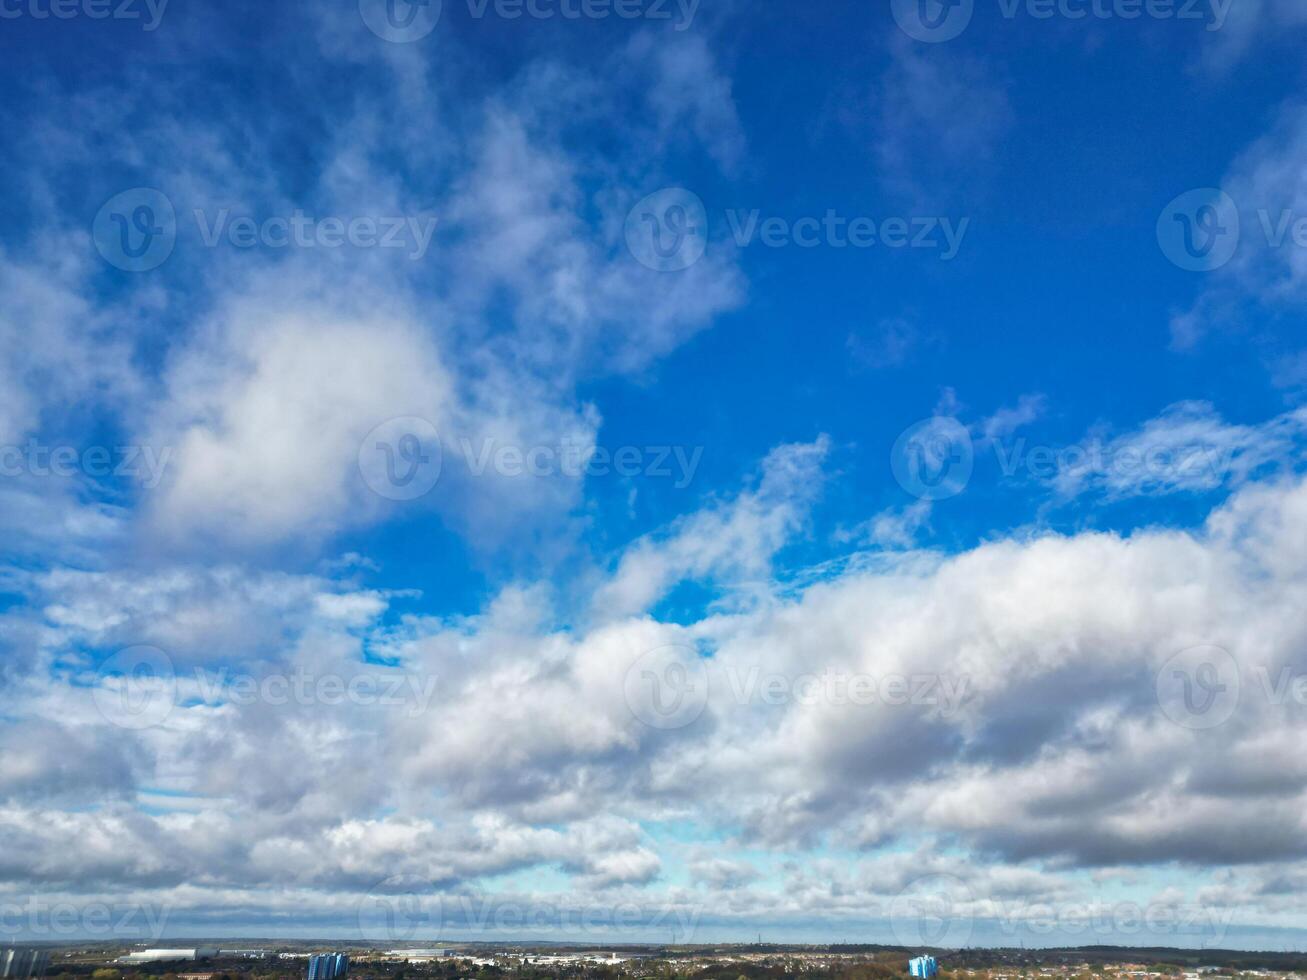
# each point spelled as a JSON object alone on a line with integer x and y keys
{"x": 748, "y": 468}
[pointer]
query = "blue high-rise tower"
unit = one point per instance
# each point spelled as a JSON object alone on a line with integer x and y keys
{"x": 328, "y": 966}
{"x": 922, "y": 966}
{"x": 23, "y": 964}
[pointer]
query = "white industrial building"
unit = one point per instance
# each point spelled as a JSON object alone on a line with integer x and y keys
{"x": 418, "y": 955}
{"x": 170, "y": 955}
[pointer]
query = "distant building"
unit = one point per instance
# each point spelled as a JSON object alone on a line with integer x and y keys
{"x": 328, "y": 966}
{"x": 23, "y": 964}
{"x": 922, "y": 966}
{"x": 170, "y": 955}
{"x": 419, "y": 955}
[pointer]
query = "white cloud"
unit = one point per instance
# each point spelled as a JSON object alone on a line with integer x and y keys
{"x": 1003, "y": 698}
{"x": 275, "y": 363}
{"x": 1012, "y": 707}
{"x": 1007, "y": 420}
{"x": 56, "y": 342}
{"x": 267, "y": 419}
{"x": 1247, "y": 23}
{"x": 940, "y": 115}
{"x": 1269, "y": 188}
{"x": 687, "y": 91}
{"x": 1189, "y": 448}
{"x": 891, "y": 528}
{"x": 735, "y": 541}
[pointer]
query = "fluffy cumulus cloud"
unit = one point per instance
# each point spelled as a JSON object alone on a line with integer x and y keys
{"x": 1022, "y": 699}
{"x": 511, "y": 284}
{"x": 213, "y": 715}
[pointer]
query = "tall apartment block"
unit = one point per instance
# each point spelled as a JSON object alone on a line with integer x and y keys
{"x": 328, "y": 966}
{"x": 23, "y": 964}
{"x": 923, "y": 966}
